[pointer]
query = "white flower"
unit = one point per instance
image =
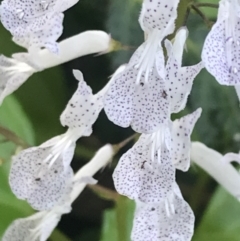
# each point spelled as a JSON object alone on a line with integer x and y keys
{"x": 41, "y": 175}
{"x": 39, "y": 226}
{"x": 169, "y": 220}
{"x": 138, "y": 96}
{"x": 212, "y": 162}
{"x": 35, "y": 24}
{"x": 221, "y": 50}
{"x": 15, "y": 71}
{"x": 147, "y": 105}
{"x": 147, "y": 171}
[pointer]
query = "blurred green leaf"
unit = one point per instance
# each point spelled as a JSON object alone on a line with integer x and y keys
{"x": 221, "y": 220}
{"x": 117, "y": 222}
{"x": 12, "y": 117}
{"x": 208, "y": 11}
{"x": 43, "y": 97}
{"x": 123, "y": 25}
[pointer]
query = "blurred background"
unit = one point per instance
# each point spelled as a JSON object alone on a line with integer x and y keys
{"x": 33, "y": 111}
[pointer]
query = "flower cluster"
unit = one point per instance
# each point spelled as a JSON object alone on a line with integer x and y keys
{"x": 142, "y": 94}
{"x": 36, "y": 167}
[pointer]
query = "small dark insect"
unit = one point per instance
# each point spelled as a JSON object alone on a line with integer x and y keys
{"x": 142, "y": 166}
{"x": 142, "y": 84}
{"x": 164, "y": 94}
{"x": 38, "y": 179}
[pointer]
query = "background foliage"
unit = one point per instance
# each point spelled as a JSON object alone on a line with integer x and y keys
{"x": 33, "y": 112}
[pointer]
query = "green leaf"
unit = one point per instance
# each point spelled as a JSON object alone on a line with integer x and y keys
{"x": 117, "y": 222}
{"x": 208, "y": 11}
{"x": 124, "y": 28}
{"x": 12, "y": 117}
{"x": 221, "y": 220}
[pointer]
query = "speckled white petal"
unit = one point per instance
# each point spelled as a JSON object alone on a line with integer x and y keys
{"x": 118, "y": 99}
{"x": 20, "y": 228}
{"x": 179, "y": 80}
{"x": 37, "y": 227}
{"x": 43, "y": 32}
{"x": 159, "y": 16}
{"x": 12, "y": 75}
{"x": 150, "y": 107}
{"x": 152, "y": 222}
{"x": 140, "y": 178}
{"x": 221, "y": 49}
{"x": 144, "y": 106}
{"x": 83, "y": 108}
{"x": 35, "y": 181}
{"x": 16, "y": 13}
{"x": 181, "y": 142}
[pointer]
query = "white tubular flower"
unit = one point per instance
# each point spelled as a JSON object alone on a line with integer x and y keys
{"x": 35, "y": 24}
{"x": 212, "y": 162}
{"x": 179, "y": 79}
{"x": 138, "y": 97}
{"x": 15, "y": 71}
{"x": 102, "y": 157}
{"x": 221, "y": 49}
{"x": 147, "y": 171}
{"x": 39, "y": 226}
{"x": 169, "y": 220}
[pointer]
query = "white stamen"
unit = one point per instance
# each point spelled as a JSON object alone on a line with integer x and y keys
{"x": 235, "y": 70}
{"x": 147, "y": 59}
{"x": 44, "y": 4}
{"x": 56, "y": 151}
{"x": 20, "y": 13}
{"x": 167, "y": 208}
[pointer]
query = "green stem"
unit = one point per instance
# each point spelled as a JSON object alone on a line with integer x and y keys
{"x": 104, "y": 192}
{"x": 202, "y": 15}
{"x": 9, "y": 135}
{"x": 209, "y": 5}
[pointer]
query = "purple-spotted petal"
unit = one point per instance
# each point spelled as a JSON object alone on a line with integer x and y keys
{"x": 82, "y": 109}
{"x": 142, "y": 105}
{"x": 153, "y": 222}
{"x": 158, "y": 16}
{"x": 43, "y": 32}
{"x": 221, "y": 50}
{"x": 140, "y": 178}
{"x": 37, "y": 227}
{"x": 181, "y": 142}
{"x": 34, "y": 180}
{"x": 179, "y": 79}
